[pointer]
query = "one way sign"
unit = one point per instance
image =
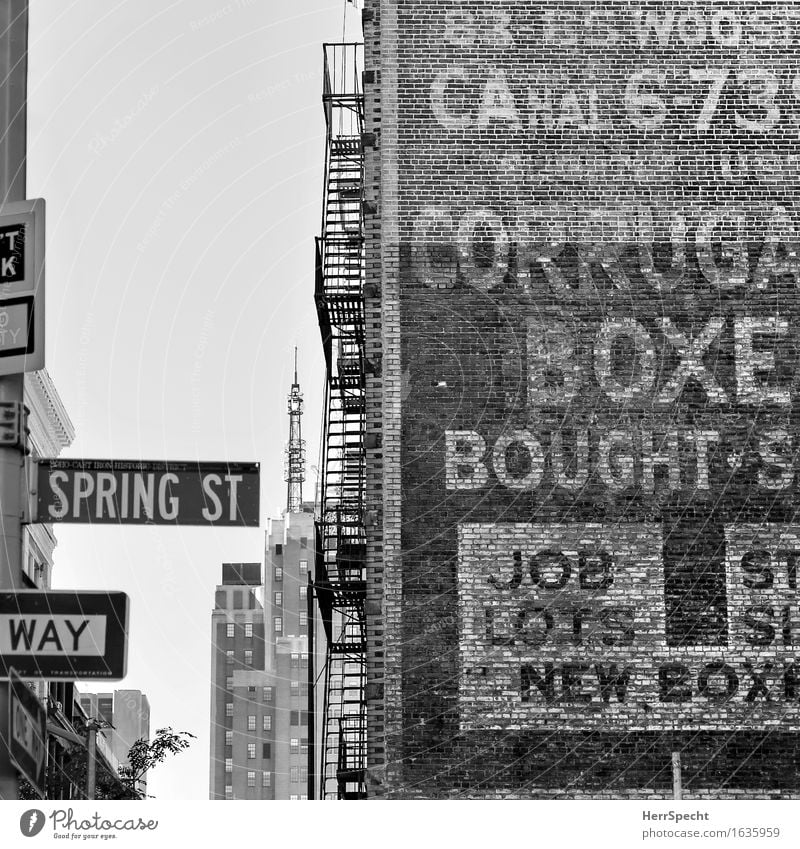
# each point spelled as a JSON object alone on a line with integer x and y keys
{"x": 63, "y": 634}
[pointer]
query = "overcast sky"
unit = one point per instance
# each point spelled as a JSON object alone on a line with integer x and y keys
{"x": 179, "y": 146}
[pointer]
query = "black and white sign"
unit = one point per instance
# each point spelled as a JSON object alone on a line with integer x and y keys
{"x": 63, "y": 634}
{"x": 21, "y": 286}
{"x": 27, "y": 730}
{"x": 142, "y": 492}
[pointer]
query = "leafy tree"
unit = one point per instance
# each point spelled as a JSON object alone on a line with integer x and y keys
{"x": 142, "y": 757}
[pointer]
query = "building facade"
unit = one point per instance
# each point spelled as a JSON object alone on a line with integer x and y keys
{"x": 260, "y": 669}
{"x": 581, "y": 295}
{"x": 127, "y": 713}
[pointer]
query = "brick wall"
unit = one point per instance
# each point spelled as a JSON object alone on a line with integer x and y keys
{"x": 584, "y": 539}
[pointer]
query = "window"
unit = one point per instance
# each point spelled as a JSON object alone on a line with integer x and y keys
{"x": 294, "y": 798}
{"x": 278, "y": 573}
{"x": 251, "y": 690}
{"x": 231, "y": 629}
{"x": 251, "y": 722}
{"x": 303, "y": 542}
{"x": 304, "y": 565}
{"x": 229, "y": 656}
{"x": 279, "y": 549}
{"x": 251, "y": 779}
{"x": 278, "y": 599}
{"x": 303, "y": 592}
{"x": 229, "y": 738}
{"x": 248, "y": 659}
{"x": 303, "y": 797}
{"x": 251, "y": 751}
{"x": 303, "y": 773}
{"x": 294, "y": 717}
{"x": 303, "y": 690}
{"x": 304, "y": 660}
{"x": 295, "y": 660}
{"x": 294, "y": 688}
{"x": 294, "y": 774}
{"x": 228, "y": 764}
{"x": 267, "y": 723}
{"x": 229, "y": 709}
{"x": 266, "y": 751}
{"x": 267, "y": 694}
{"x": 266, "y": 779}
{"x": 228, "y": 792}
{"x": 303, "y": 619}
{"x": 277, "y": 623}
{"x": 304, "y": 746}
{"x": 229, "y": 682}
{"x": 294, "y": 746}
{"x": 248, "y": 629}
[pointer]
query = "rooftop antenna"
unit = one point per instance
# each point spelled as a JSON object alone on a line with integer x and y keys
{"x": 296, "y": 449}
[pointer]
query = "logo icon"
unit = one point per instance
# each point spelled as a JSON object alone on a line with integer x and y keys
{"x": 31, "y": 822}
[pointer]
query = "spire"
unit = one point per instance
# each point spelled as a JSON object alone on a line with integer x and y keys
{"x": 296, "y": 449}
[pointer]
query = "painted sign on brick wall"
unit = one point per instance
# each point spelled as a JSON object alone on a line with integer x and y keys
{"x": 598, "y": 267}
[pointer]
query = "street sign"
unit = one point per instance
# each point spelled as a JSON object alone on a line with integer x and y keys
{"x": 72, "y": 635}
{"x": 139, "y": 492}
{"x": 21, "y": 286}
{"x": 27, "y": 733}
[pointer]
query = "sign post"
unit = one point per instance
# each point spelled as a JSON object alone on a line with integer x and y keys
{"x": 13, "y": 120}
{"x": 27, "y": 723}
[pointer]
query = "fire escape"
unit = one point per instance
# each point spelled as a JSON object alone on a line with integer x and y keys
{"x": 340, "y": 576}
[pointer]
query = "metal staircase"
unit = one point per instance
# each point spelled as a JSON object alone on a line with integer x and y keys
{"x": 340, "y": 579}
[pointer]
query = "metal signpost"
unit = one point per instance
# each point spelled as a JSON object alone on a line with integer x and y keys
{"x": 145, "y": 493}
{"x": 64, "y": 635}
{"x": 27, "y": 733}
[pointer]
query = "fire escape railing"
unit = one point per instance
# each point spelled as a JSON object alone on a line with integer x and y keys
{"x": 340, "y": 573}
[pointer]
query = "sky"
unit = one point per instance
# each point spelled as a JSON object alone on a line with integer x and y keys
{"x": 179, "y": 147}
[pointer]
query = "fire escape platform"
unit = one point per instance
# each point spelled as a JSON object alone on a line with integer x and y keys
{"x": 340, "y": 572}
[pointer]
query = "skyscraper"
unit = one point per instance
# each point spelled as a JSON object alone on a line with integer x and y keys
{"x": 260, "y": 654}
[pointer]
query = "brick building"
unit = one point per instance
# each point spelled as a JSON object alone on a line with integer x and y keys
{"x": 580, "y": 305}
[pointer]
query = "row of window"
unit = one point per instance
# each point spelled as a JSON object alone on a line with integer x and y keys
{"x": 266, "y": 692}
{"x": 296, "y": 717}
{"x": 296, "y": 775}
{"x": 278, "y": 570}
{"x": 297, "y": 746}
{"x": 277, "y": 622}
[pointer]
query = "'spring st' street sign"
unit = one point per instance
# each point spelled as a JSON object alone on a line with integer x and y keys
{"x": 142, "y": 492}
{"x": 63, "y": 634}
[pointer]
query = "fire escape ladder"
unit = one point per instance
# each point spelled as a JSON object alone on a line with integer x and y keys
{"x": 340, "y": 572}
